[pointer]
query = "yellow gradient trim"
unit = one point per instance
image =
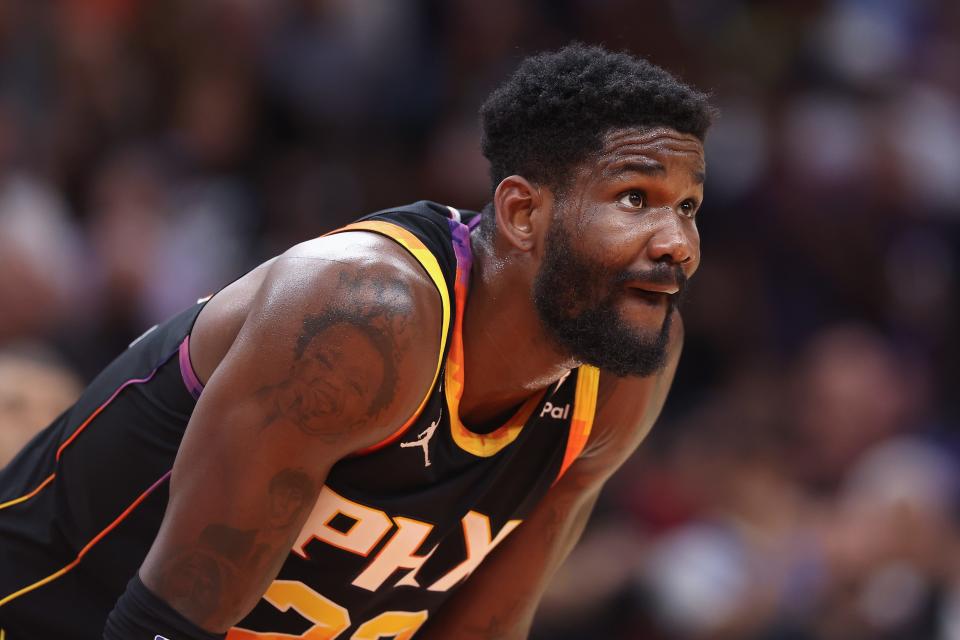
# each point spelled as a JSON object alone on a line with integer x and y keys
{"x": 38, "y": 584}
{"x": 96, "y": 539}
{"x": 584, "y": 409}
{"x": 483, "y": 444}
{"x": 479, "y": 444}
{"x": 588, "y": 382}
{"x": 10, "y": 503}
{"x": 428, "y": 261}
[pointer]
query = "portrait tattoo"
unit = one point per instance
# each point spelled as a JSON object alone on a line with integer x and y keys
{"x": 198, "y": 581}
{"x": 346, "y": 359}
{"x": 290, "y": 491}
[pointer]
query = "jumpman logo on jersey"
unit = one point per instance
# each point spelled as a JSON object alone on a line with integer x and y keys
{"x": 424, "y": 440}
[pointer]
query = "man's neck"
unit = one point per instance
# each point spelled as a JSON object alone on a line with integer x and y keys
{"x": 507, "y": 354}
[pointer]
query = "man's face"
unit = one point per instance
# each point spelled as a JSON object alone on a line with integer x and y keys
{"x": 622, "y": 243}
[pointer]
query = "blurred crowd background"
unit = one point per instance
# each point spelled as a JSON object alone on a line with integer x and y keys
{"x": 802, "y": 483}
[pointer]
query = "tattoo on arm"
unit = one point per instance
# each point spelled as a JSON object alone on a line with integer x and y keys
{"x": 199, "y": 580}
{"x": 344, "y": 369}
{"x": 289, "y": 492}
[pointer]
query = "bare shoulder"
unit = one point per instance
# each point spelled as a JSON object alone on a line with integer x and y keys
{"x": 627, "y": 408}
{"x": 340, "y": 340}
{"x": 367, "y": 272}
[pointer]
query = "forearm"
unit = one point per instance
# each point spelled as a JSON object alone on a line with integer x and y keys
{"x": 214, "y": 573}
{"x": 499, "y": 600}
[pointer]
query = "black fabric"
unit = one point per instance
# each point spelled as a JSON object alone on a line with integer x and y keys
{"x": 140, "y": 614}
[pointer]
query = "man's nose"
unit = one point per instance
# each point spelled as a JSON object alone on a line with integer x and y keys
{"x": 671, "y": 242}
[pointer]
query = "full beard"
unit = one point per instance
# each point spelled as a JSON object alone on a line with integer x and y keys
{"x": 591, "y": 329}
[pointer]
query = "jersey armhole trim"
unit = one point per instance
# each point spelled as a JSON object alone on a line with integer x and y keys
{"x": 189, "y": 375}
{"x": 428, "y": 261}
{"x": 584, "y": 409}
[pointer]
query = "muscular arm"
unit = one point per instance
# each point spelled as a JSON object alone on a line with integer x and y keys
{"x": 337, "y": 349}
{"x": 499, "y": 600}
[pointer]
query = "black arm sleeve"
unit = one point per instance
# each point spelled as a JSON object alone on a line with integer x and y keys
{"x": 140, "y": 615}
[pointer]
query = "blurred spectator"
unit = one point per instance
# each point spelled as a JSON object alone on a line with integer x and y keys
{"x": 852, "y": 393}
{"x": 40, "y": 258}
{"x": 34, "y": 389}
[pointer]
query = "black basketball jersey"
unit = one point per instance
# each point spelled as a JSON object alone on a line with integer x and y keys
{"x": 396, "y": 528}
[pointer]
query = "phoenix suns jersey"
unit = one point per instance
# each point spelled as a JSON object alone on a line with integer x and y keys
{"x": 396, "y": 529}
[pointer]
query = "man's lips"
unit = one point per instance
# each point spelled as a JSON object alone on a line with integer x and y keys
{"x": 654, "y": 293}
{"x": 648, "y": 296}
{"x": 667, "y": 288}
{"x": 662, "y": 286}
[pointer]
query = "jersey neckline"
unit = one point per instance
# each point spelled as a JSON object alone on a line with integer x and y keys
{"x": 489, "y": 444}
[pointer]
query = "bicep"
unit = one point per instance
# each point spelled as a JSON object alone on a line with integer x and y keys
{"x": 314, "y": 374}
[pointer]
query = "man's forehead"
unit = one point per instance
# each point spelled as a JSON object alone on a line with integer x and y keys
{"x": 651, "y": 144}
{"x": 651, "y": 150}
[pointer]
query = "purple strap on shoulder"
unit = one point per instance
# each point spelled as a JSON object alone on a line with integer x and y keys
{"x": 190, "y": 379}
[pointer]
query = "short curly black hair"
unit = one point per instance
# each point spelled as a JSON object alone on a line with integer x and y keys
{"x": 553, "y": 112}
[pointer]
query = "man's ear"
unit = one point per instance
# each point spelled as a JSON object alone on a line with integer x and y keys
{"x": 516, "y": 202}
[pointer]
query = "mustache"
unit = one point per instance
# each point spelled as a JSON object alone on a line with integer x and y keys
{"x": 662, "y": 273}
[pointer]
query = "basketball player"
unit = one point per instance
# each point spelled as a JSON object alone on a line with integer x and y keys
{"x": 400, "y": 427}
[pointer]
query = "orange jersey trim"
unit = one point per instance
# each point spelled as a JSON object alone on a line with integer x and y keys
{"x": 428, "y": 261}
{"x": 26, "y": 497}
{"x": 484, "y": 445}
{"x": 584, "y": 409}
{"x": 96, "y": 539}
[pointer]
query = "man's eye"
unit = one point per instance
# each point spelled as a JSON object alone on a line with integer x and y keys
{"x": 633, "y": 199}
{"x": 688, "y": 208}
